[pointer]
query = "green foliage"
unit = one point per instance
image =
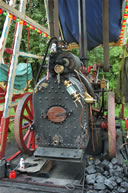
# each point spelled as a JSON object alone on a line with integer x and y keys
{"x": 37, "y": 44}
{"x": 115, "y": 53}
{"x": 96, "y": 55}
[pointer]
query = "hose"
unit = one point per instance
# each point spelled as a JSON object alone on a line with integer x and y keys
{"x": 53, "y": 39}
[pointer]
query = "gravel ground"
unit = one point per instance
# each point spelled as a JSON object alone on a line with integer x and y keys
{"x": 104, "y": 176}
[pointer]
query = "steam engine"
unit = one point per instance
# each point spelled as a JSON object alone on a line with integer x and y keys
{"x": 61, "y": 109}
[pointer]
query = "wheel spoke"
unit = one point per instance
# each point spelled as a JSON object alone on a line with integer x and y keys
{"x": 25, "y": 137}
{"x": 33, "y": 140}
{"x": 26, "y": 117}
{"x": 28, "y": 111}
{"x": 31, "y": 107}
{"x": 25, "y": 127}
{"x": 29, "y": 140}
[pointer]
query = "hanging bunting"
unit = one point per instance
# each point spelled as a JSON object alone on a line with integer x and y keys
{"x": 13, "y": 17}
{"x": 125, "y": 16}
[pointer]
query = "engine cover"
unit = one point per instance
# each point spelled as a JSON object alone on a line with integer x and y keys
{"x": 56, "y": 117}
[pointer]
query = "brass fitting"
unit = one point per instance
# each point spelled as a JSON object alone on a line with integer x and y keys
{"x": 58, "y": 68}
{"x": 103, "y": 83}
{"x": 88, "y": 99}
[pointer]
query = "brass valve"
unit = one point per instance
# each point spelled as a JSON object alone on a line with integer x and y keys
{"x": 72, "y": 91}
{"x": 103, "y": 83}
{"x": 88, "y": 99}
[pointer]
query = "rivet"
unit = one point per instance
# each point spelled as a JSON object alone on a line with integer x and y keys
{"x": 53, "y": 98}
{"x": 66, "y": 98}
{"x": 46, "y": 98}
{"x": 55, "y": 91}
{"x": 59, "y": 87}
{"x": 59, "y": 98}
{"x": 62, "y": 91}
{"x": 49, "y": 91}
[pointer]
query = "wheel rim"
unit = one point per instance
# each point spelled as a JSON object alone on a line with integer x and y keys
{"x": 111, "y": 125}
{"x": 23, "y": 125}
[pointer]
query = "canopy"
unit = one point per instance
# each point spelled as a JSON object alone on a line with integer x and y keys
{"x": 21, "y": 75}
{"x": 68, "y": 13}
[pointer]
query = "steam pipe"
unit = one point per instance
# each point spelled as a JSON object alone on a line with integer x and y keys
{"x": 87, "y": 84}
{"x": 82, "y": 31}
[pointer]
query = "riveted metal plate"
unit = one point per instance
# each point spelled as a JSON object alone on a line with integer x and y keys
{"x": 62, "y": 153}
{"x": 68, "y": 130}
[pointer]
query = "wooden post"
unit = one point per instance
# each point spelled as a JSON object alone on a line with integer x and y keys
{"x": 82, "y": 31}
{"x": 56, "y": 19}
{"x": 14, "y": 61}
{"x": 8, "y": 98}
{"x": 51, "y": 16}
{"x": 5, "y": 32}
{"x": 106, "y": 35}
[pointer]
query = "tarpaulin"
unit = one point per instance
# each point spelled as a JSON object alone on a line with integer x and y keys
{"x": 68, "y": 13}
{"x": 21, "y": 75}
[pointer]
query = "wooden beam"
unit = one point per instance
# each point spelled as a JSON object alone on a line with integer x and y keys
{"x": 13, "y": 104}
{"x": 30, "y": 55}
{"x": 22, "y": 16}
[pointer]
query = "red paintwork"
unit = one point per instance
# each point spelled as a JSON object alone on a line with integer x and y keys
{"x": 13, "y": 156}
{"x": 9, "y": 50}
{"x": 126, "y": 123}
{"x": 104, "y": 125}
{"x": 4, "y": 124}
{"x": 12, "y": 174}
{"x": 122, "y": 111}
{"x": 3, "y": 135}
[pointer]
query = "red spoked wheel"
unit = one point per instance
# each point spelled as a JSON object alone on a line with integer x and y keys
{"x": 111, "y": 125}
{"x": 23, "y": 125}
